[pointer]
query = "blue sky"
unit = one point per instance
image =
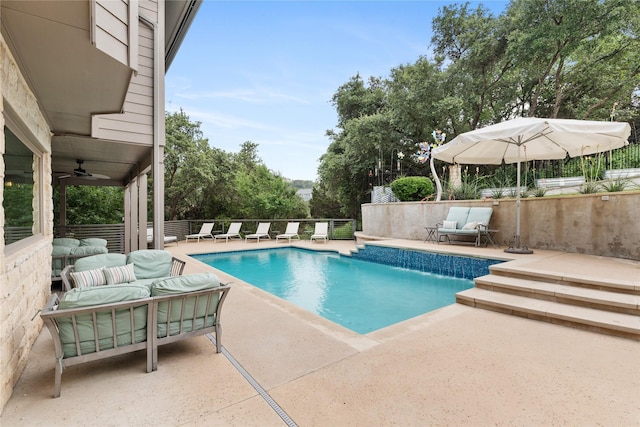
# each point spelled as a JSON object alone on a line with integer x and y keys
{"x": 265, "y": 71}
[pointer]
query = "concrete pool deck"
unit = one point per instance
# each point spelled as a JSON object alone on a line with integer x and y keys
{"x": 455, "y": 366}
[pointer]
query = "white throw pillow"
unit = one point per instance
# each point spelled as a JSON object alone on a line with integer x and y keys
{"x": 449, "y": 225}
{"x": 470, "y": 226}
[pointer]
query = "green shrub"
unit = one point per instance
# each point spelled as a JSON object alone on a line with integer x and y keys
{"x": 412, "y": 188}
{"x": 538, "y": 191}
{"x": 613, "y": 186}
{"x": 589, "y": 187}
{"x": 497, "y": 193}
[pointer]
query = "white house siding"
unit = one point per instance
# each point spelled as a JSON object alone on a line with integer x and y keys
{"x": 25, "y": 266}
{"x": 135, "y": 124}
{"x": 112, "y": 29}
{"x": 149, "y": 9}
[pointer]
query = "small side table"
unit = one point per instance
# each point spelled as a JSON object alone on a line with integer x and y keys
{"x": 432, "y": 234}
{"x": 489, "y": 237}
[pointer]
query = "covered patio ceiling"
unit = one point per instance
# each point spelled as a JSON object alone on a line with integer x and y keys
{"x": 72, "y": 80}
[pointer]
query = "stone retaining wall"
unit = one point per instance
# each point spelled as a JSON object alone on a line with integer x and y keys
{"x": 603, "y": 224}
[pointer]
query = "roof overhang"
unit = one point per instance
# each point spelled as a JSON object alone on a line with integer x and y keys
{"x": 72, "y": 80}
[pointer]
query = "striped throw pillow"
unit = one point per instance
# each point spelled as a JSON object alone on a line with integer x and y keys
{"x": 88, "y": 278}
{"x": 449, "y": 225}
{"x": 115, "y": 275}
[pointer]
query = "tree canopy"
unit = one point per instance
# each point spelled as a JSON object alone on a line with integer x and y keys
{"x": 553, "y": 58}
{"x": 206, "y": 182}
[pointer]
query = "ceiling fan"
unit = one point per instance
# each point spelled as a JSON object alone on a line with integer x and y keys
{"x": 80, "y": 172}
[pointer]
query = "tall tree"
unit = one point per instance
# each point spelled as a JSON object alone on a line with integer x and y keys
{"x": 578, "y": 54}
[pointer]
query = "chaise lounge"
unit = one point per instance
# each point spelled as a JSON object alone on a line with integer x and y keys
{"x": 467, "y": 221}
{"x": 232, "y": 233}
{"x": 261, "y": 232}
{"x": 206, "y": 231}
{"x": 291, "y": 232}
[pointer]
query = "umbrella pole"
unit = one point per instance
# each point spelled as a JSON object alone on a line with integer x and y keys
{"x": 518, "y": 249}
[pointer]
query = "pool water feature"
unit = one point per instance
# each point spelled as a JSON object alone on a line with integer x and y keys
{"x": 354, "y": 292}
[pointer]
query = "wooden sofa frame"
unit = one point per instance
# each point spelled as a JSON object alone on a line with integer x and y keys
{"x": 51, "y": 316}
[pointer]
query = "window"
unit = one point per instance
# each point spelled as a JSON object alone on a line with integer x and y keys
{"x": 21, "y": 201}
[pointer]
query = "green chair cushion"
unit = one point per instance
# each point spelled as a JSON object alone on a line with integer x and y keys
{"x": 93, "y": 241}
{"x": 150, "y": 263}
{"x": 99, "y": 261}
{"x": 66, "y": 241}
{"x": 61, "y": 250}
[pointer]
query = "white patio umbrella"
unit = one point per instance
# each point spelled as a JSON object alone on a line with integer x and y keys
{"x": 532, "y": 139}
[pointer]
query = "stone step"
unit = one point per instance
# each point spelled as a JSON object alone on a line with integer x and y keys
{"x": 564, "y": 293}
{"x": 610, "y": 284}
{"x": 608, "y": 322}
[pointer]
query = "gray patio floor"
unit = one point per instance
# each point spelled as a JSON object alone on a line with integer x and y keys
{"x": 455, "y": 366}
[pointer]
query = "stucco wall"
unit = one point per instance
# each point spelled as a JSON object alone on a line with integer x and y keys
{"x": 25, "y": 266}
{"x": 603, "y": 224}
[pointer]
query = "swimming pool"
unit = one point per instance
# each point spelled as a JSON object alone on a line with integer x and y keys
{"x": 360, "y": 295}
{"x": 377, "y": 287}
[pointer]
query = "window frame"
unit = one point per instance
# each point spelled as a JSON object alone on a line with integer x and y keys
{"x": 26, "y": 137}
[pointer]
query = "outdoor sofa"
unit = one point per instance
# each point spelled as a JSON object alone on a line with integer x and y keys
{"x": 467, "y": 221}
{"x": 98, "y": 322}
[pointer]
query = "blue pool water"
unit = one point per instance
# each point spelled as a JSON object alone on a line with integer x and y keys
{"x": 358, "y": 294}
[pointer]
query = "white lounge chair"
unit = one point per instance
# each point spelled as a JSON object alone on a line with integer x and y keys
{"x": 205, "y": 231}
{"x": 261, "y": 232}
{"x": 290, "y": 233}
{"x": 232, "y": 232}
{"x": 167, "y": 239}
{"x": 321, "y": 232}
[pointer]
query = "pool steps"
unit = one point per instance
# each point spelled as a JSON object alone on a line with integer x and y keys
{"x": 611, "y": 307}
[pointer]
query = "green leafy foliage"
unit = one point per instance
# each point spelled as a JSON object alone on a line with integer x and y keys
{"x": 412, "y": 188}
{"x": 17, "y": 203}
{"x": 557, "y": 58}
{"x": 206, "y": 182}
{"x": 91, "y": 205}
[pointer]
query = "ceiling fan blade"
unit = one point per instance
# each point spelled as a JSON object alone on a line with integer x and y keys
{"x": 98, "y": 176}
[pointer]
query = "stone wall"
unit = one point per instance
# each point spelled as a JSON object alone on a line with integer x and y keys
{"x": 604, "y": 224}
{"x": 25, "y": 266}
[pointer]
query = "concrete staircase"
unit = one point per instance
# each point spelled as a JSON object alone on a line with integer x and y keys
{"x": 610, "y": 307}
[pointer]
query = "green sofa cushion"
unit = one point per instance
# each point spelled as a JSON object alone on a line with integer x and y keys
{"x": 150, "y": 263}
{"x": 182, "y": 284}
{"x": 89, "y": 250}
{"x": 93, "y": 241}
{"x": 61, "y": 250}
{"x": 193, "y": 306}
{"x": 66, "y": 241}
{"x": 99, "y": 261}
{"x": 104, "y": 319}
{"x": 100, "y": 295}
